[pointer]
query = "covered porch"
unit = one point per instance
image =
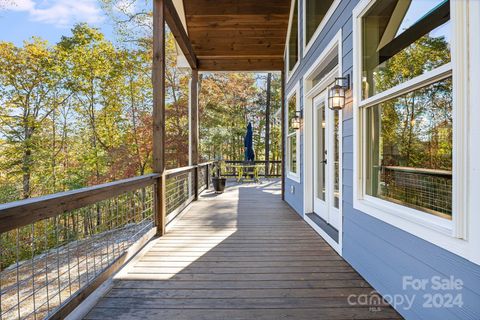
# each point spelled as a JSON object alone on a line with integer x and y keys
{"x": 243, "y": 254}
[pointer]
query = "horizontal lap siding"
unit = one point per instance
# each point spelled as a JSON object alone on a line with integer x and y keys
{"x": 382, "y": 253}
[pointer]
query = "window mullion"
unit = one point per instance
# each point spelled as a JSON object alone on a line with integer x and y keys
{"x": 430, "y": 77}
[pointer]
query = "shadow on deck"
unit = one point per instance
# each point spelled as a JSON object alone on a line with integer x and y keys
{"x": 240, "y": 255}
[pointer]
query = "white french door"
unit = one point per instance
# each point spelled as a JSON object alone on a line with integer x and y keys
{"x": 326, "y": 161}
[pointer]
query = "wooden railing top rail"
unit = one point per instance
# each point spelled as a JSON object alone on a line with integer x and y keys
{"x": 256, "y": 161}
{"x": 203, "y": 164}
{"x": 426, "y": 171}
{"x": 24, "y": 212}
{"x": 178, "y": 171}
{"x": 259, "y": 161}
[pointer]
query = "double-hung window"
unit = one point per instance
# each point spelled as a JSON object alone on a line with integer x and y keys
{"x": 315, "y": 16}
{"x": 293, "y": 136}
{"x": 292, "y": 48}
{"x": 408, "y": 111}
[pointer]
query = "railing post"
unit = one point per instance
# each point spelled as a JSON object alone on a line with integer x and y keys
{"x": 195, "y": 183}
{"x": 267, "y": 126}
{"x": 158, "y": 82}
{"x": 207, "y": 178}
{"x": 283, "y": 130}
{"x": 193, "y": 121}
{"x": 160, "y": 205}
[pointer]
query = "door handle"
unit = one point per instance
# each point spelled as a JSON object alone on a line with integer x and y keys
{"x": 324, "y": 161}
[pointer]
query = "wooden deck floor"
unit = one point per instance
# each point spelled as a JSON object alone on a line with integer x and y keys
{"x": 240, "y": 255}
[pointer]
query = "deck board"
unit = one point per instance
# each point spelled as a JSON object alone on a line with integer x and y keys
{"x": 241, "y": 255}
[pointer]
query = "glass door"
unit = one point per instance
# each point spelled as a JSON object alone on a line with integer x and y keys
{"x": 326, "y": 143}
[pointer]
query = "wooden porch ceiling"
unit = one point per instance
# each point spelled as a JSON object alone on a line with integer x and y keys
{"x": 237, "y": 35}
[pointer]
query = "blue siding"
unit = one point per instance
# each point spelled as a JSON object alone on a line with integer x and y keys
{"x": 295, "y": 197}
{"x": 382, "y": 253}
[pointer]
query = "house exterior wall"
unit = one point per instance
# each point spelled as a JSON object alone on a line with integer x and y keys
{"x": 381, "y": 252}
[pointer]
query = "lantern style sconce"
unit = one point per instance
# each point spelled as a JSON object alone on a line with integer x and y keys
{"x": 296, "y": 121}
{"x": 336, "y": 93}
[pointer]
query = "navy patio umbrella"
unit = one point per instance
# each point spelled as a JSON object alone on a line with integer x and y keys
{"x": 248, "y": 143}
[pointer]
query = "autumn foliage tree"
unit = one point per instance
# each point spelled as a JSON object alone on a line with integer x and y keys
{"x": 79, "y": 113}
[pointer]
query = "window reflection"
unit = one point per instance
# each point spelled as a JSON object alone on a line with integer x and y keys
{"x": 410, "y": 146}
{"x": 315, "y": 12}
{"x": 402, "y": 40}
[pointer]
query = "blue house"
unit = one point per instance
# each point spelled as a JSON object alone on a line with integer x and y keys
{"x": 382, "y": 145}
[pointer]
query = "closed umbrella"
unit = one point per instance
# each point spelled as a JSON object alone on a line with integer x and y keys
{"x": 248, "y": 143}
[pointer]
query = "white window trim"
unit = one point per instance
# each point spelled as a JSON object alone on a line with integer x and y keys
{"x": 309, "y": 93}
{"x": 287, "y": 46}
{"x": 295, "y": 176}
{"x": 456, "y": 235}
{"x": 320, "y": 27}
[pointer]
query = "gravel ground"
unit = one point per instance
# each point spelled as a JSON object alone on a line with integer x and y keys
{"x": 33, "y": 288}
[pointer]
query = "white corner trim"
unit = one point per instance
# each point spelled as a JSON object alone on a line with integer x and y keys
{"x": 320, "y": 27}
{"x": 473, "y": 135}
{"x": 309, "y": 93}
{"x": 295, "y": 176}
{"x": 334, "y": 44}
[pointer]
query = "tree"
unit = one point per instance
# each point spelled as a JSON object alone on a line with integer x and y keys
{"x": 97, "y": 73}
{"x": 413, "y": 123}
{"x": 31, "y": 88}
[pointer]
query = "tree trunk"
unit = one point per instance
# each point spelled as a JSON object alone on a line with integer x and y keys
{"x": 26, "y": 170}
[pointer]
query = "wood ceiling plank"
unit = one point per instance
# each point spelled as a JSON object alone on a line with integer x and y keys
{"x": 197, "y": 34}
{"x": 209, "y": 7}
{"x": 240, "y": 49}
{"x": 254, "y": 18}
{"x": 240, "y": 64}
{"x": 238, "y": 35}
{"x": 237, "y": 56}
{"x": 229, "y": 26}
{"x": 219, "y": 42}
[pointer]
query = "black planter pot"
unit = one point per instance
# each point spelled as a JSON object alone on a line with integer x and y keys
{"x": 219, "y": 184}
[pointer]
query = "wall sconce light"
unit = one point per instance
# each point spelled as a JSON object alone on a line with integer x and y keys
{"x": 336, "y": 93}
{"x": 296, "y": 121}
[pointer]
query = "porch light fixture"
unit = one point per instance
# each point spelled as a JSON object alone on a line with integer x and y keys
{"x": 336, "y": 94}
{"x": 296, "y": 121}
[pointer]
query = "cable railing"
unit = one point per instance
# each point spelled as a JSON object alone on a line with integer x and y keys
{"x": 56, "y": 249}
{"x": 270, "y": 169}
{"x": 427, "y": 189}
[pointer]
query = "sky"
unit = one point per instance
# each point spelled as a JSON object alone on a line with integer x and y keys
{"x": 49, "y": 19}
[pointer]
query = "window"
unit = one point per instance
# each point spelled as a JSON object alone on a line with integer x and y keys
{"x": 409, "y": 153}
{"x": 315, "y": 12}
{"x": 414, "y": 125}
{"x": 293, "y": 137}
{"x": 327, "y": 68}
{"x": 292, "y": 45}
{"x": 410, "y": 114}
{"x": 402, "y": 40}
